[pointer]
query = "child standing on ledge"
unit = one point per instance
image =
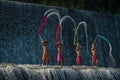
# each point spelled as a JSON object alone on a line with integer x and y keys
{"x": 45, "y": 56}
{"x": 60, "y": 58}
{"x": 78, "y": 52}
{"x": 94, "y": 54}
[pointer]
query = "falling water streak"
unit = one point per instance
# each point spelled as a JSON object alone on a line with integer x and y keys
{"x": 57, "y": 33}
{"x": 62, "y": 21}
{"x": 42, "y": 21}
{"x": 85, "y": 27}
{"x": 110, "y": 51}
{"x": 49, "y": 11}
{"x": 45, "y": 14}
{"x": 40, "y": 38}
{"x": 106, "y": 41}
{"x": 52, "y": 13}
{"x": 55, "y": 13}
{"x": 42, "y": 26}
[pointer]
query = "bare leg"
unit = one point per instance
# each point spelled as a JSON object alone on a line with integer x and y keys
{"x": 80, "y": 64}
{"x": 62, "y": 63}
{"x": 92, "y": 64}
{"x": 58, "y": 63}
{"x": 97, "y": 62}
{"x": 47, "y": 62}
{"x": 43, "y": 62}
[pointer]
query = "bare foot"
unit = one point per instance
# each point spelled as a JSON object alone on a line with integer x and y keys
{"x": 92, "y": 66}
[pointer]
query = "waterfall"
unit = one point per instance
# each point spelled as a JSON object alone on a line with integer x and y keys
{"x": 37, "y": 72}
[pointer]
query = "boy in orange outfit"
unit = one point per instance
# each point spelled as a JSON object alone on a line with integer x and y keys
{"x": 45, "y": 56}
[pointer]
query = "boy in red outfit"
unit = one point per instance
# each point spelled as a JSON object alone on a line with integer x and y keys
{"x": 94, "y": 54}
{"x": 60, "y": 58}
{"x": 78, "y": 52}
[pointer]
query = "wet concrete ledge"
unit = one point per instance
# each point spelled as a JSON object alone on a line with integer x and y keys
{"x": 39, "y": 66}
{"x": 55, "y": 72}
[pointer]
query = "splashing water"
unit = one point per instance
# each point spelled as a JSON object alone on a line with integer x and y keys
{"x": 64, "y": 18}
{"x": 57, "y": 33}
{"x": 49, "y": 11}
{"x": 54, "y": 13}
{"x": 42, "y": 25}
{"x": 45, "y": 20}
{"x": 111, "y": 58}
{"x": 75, "y": 35}
{"x": 37, "y": 72}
